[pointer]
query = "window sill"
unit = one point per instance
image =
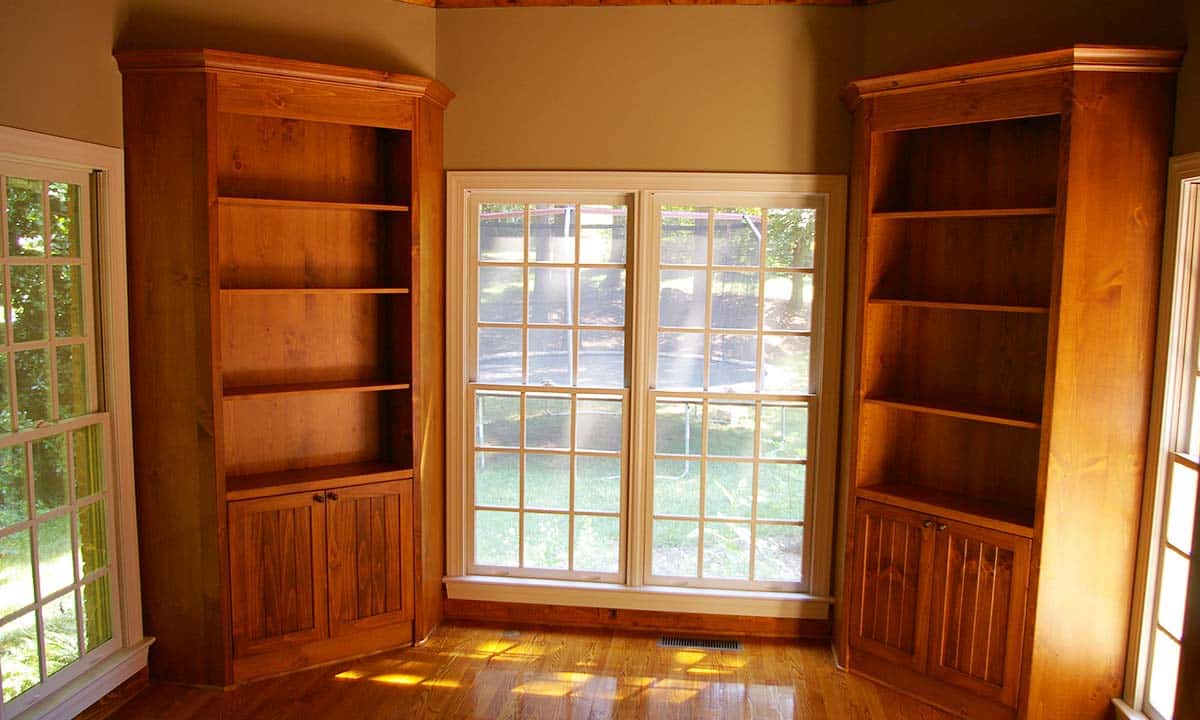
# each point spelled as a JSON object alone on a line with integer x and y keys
{"x": 481, "y": 588}
{"x": 96, "y": 682}
{"x": 1124, "y": 712}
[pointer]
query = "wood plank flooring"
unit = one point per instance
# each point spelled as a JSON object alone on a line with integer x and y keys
{"x": 486, "y": 673}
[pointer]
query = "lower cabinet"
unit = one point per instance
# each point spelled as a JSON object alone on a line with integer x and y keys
{"x": 320, "y": 575}
{"x": 939, "y": 603}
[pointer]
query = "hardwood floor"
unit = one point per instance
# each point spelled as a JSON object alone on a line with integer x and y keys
{"x": 473, "y": 672}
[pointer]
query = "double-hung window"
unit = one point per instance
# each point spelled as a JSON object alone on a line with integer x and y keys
{"x": 642, "y": 373}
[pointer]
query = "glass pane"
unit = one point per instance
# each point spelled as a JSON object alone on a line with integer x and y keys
{"x": 781, "y": 491}
{"x": 97, "y": 613}
{"x": 93, "y": 538}
{"x": 601, "y": 358}
{"x": 791, "y": 237}
{"x": 551, "y": 294}
{"x": 497, "y": 479}
{"x": 681, "y": 298}
{"x": 598, "y": 425}
{"x": 33, "y": 386}
{"x": 597, "y": 544}
{"x": 1172, "y": 592}
{"x": 496, "y": 541}
{"x": 737, "y": 236}
{"x": 680, "y": 361}
{"x": 3, "y": 314}
{"x": 684, "y": 236}
{"x": 785, "y": 432}
{"x": 16, "y": 572}
{"x": 500, "y": 291}
{"x": 727, "y": 551}
{"x": 677, "y": 428}
{"x": 1181, "y": 507}
{"x": 785, "y": 363}
{"x": 728, "y": 489}
{"x": 601, "y": 297}
{"x": 72, "y": 381}
{"x": 14, "y": 495}
{"x": 64, "y": 219}
{"x": 735, "y": 300}
{"x": 89, "y": 468}
{"x": 501, "y": 232}
{"x": 26, "y": 224}
{"x": 68, "y": 301}
{"x": 546, "y": 538}
{"x": 550, "y": 357}
{"x": 733, "y": 362}
{"x": 778, "y": 550}
{"x": 548, "y": 481}
{"x": 677, "y": 488}
{"x": 5, "y": 400}
{"x": 19, "y": 655}
{"x": 50, "y": 473}
{"x": 497, "y": 420}
{"x": 62, "y": 633}
{"x": 788, "y": 302}
{"x": 602, "y": 233}
{"x": 675, "y": 548}
{"x": 548, "y": 421}
{"x": 28, "y": 302}
{"x": 731, "y": 429}
{"x": 598, "y": 484}
{"x": 499, "y": 356}
{"x": 1164, "y": 674}
{"x": 552, "y": 233}
{"x": 56, "y": 563}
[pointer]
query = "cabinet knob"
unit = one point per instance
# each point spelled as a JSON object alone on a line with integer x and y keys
{"x": 942, "y": 526}
{"x": 319, "y": 498}
{"x": 331, "y": 495}
{"x": 927, "y": 524}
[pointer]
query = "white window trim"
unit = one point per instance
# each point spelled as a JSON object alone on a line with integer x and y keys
{"x": 95, "y": 681}
{"x": 642, "y": 186}
{"x": 1176, "y": 347}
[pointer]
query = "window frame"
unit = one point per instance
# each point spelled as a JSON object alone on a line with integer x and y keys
{"x": 81, "y": 684}
{"x": 1175, "y": 377}
{"x": 643, "y": 190}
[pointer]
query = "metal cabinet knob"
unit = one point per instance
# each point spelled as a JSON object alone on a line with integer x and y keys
{"x": 319, "y": 498}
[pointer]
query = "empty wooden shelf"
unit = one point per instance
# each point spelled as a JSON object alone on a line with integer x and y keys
{"x": 286, "y": 276}
{"x": 1007, "y": 224}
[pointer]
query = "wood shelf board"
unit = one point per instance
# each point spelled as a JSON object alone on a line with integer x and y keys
{"x": 961, "y": 413}
{"x": 232, "y": 393}
{"x": 967, "y": 213}
{"x": 316, "y": 291}
{"x": 245, "y": 487}
{"x": 309, "y": 204}
{"x": 953, "y": 305}
{"x": 953, "y": 506}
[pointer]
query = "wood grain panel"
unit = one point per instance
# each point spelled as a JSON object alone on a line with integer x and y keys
{"x": 370, "y": 556}
{"x": 311, "y": 100}
{"x": 955, "y": 104}
{"x": 889, "y": 591}
{"x": 277, "y": 571}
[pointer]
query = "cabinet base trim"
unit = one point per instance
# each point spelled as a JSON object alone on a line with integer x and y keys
{"x": 927, "y": 690}
{"x": 304, "y": 656}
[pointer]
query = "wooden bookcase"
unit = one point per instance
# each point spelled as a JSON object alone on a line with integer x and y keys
{"x": 1008, "y": 216}
{"x": 286, "y": 278}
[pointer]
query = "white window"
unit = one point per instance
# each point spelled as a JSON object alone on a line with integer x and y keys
{"x": 1171, "y": 502}
{"x": 68, "y": 588}
{"x": 638, "y": 387}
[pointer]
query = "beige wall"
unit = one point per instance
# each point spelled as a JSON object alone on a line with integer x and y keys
{"x": 638, "y": 88}
{"x": 60, "y": 77}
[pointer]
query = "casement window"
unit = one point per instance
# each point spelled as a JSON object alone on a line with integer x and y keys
{"x": 69, "y": 608}
{"x": 1170, "y": 507}
{"x": 640, "y": 395}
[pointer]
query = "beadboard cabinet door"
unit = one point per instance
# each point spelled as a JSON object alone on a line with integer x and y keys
{"x": 980, "y": 588}
{"x": 370, "y": 556}
{"x": 893, "y": 555}
{"x": 277, "y": 571}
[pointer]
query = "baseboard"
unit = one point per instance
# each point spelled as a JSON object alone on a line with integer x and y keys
{"x": 639, "y": 621}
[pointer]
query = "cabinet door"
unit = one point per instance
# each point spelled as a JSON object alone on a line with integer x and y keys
{"x": 370, "y": 556}
{"x": 277, "y": 571}
{"x": 980, "y": 587}
{"x": 889, "y": 601}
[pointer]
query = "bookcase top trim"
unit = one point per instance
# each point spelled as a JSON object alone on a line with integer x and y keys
{"x": 208, "y": 60}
